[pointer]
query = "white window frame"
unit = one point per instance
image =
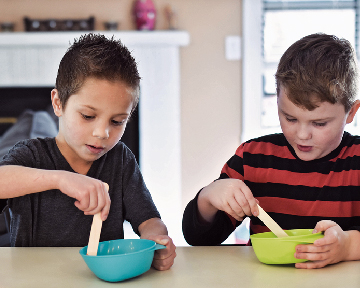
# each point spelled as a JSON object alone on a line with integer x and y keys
{"x": 252, "y": 84}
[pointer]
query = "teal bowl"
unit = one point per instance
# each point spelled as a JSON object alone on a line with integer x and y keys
{"x": 121, "y": 259}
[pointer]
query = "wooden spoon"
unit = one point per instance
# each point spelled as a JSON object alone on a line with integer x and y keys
{"x": 271, "y": 224}
{"x": 95, "y": 232}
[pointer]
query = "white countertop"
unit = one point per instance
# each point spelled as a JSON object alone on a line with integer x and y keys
{"x": 220, "y": 266}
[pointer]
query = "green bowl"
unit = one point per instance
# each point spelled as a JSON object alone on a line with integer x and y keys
{"x": 270, "y": 249}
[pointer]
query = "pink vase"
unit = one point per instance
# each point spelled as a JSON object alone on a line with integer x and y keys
{"x": 145, "y": 14}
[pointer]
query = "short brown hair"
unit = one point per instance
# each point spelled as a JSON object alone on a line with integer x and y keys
{"x": 319, "y": 68}
{"x": 94, "y": 55}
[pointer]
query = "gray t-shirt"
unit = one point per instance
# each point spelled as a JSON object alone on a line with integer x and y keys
{"x": 50, "y": 218}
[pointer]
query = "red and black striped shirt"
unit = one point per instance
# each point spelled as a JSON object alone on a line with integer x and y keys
{"x": 295, "y": 193}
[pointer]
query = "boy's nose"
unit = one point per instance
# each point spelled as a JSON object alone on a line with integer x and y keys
{"x": 101, "y": 132}
{"x": 304, "y": 133}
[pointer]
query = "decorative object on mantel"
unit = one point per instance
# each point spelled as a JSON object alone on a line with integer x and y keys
{"x": 36, "y": 25}
{"x": 144, "y": 14}
{"x": 171, "y": 17}
{"x": 111, "y": 25}
{"x": 7, "y": 27}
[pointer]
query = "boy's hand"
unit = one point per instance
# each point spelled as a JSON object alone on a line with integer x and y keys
{"x": 331, "y": 249}
{"x": 230, "y": 195}
{"x": 154, "y": 229}
{"x": 91, "y": 194}
{"x": 163, "y": 258}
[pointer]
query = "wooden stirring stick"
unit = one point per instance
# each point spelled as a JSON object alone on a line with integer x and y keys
{"x": 271, "y": 224}
{"x": 95, "y": 232}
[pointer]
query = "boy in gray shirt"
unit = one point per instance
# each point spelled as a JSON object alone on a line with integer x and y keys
{"x": 55, "y": 185}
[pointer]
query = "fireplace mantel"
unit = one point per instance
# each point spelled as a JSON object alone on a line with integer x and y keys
{"x": 32, "y": 59}
{"x": 138, "y": 38}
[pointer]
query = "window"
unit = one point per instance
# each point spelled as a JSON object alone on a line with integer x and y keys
{"x": 269, "y": 28}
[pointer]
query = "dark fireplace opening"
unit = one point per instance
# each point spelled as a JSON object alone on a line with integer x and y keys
{"x": 15, "y": 100}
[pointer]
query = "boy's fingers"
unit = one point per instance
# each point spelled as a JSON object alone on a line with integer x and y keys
{"x": 242, "y": 204}
{"x": 310, "y": 248}
{"x": 106, "y": 209}
{"x": 82, "y": 204}
{"x": 77, "y": 204}
{"x": 313, "y": 256}
{"x": 93, "y": 203}
{"x": 231, "y": 212}
{"x": 238, "y": 207}
{"x": 104, "y": 215}
{"x": 251, "y": 201}
{"x": 163, "y": 258}
{"x": 162, "y": 265}
{"x": 311, "y": 265}
{"x": 164, "y": 241}
{"x": 330, "y": 238}
{"x": 165, "y": 255}
{"x": 323, "y": 225}
{"x": 160, "y": 239}
{"x": 102, "y": 201}
{"x": 102, "y": 198}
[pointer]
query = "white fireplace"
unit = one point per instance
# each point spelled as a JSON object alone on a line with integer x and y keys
{"x": 32, "y": 59}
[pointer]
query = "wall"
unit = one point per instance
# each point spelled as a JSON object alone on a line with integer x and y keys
{"x": 210, "y": 85}
{"x": 211, "y": 91}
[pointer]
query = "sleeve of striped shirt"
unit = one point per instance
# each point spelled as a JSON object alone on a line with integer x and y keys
{"x": 199, "y": 234}
{"x": 194, "y": 231}
{"x": 234, "y": 169}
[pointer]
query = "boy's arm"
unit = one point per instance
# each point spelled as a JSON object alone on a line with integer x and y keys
{"x": 91, "y": 194}
{"x": 198, "y": 233}
{"x": 204, "y": 221}
{"x": 18, "y": 181}
{"x": 151, "y": 227}
{"x": 354, "y": 246}
{"x": 154, "y": 229}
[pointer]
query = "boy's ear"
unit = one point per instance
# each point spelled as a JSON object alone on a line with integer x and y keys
{"x": 55, "y": 101}
{"x": 353, "y": 111}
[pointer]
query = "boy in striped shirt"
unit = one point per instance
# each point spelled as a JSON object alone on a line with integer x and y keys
{"x": 306, "y": 177}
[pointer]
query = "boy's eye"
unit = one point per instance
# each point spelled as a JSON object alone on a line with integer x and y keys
{"x": 118, "y": 123}
{"x": 320, "y": 124}
{"x": 290, "y": 119}
{"x": 87, "y": 117}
